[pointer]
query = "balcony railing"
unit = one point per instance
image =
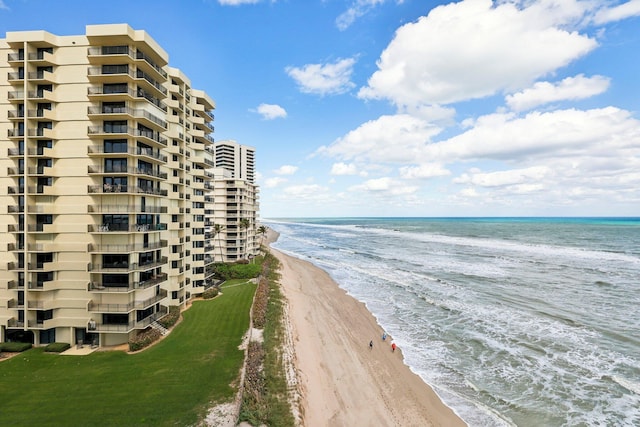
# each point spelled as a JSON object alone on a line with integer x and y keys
{"x": 132, "y": 247}
{"x": 148, "y": 60}
{"x": 142, "y": 75}
{"x": 129, "y": 111}
{"x": 128, "y": 307}
{"x": 100, "y": 130}
{"x": 127, "y": 287}
{"x": 126, "y": 267}
{"x": 108, "y": 189}
{"x": 110, "y": 51}
{"x": 139, "y": 151}
{"x": 128, "y": 91}
{"x": 125, "y": 208}
{"x": 128, "y": 327}
{"x": 92, "y": 169}
{"x": 140, "y": 228}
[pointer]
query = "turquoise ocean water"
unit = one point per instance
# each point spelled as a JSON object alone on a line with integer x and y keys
{"x": 513, "y": 321}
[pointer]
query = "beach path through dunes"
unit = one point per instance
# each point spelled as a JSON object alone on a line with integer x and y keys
{"x": 344, "y": 382}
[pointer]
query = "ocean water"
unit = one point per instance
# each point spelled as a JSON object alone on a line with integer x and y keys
{"x": 513, "y": 321}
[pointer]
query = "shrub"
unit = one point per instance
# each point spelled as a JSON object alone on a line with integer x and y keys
{"x": 15, "y": 347}
{"x": 210, "y": 293}
{"x": 171, "y": 318}
{"x": 144, "y": 339}
{"x": 57, "y": 347}
{"x": 237, "y": 271}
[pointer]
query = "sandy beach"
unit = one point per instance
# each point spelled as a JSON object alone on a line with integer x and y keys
{"x": 342, "y": 382}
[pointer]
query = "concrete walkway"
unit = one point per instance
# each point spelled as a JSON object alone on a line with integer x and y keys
{"x": 82, "y": 351}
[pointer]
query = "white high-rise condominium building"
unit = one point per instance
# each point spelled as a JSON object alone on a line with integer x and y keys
{"x": 235, "y": 199}
{"x": 106, "y": 186}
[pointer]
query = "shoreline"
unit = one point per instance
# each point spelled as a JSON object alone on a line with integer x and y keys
{"x": 340, "y": 380}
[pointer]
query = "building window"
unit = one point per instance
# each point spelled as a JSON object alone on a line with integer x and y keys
{"x": 115, "y": 145}
{"x": 115, "y": 69}
{"x": 115, "y": 165}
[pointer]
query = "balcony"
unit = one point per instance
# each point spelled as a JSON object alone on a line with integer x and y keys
{"x": 15, "y": 57}
{"x": 124, "y": 112}
{"x": 127, "y": 130}
{"x": 128, "y": 307}
{"x": 115, "y": 189}
{"x": 41, "y": 58}
{"x": 14, "y": 323}
{"x": 99, "y": 74}
{"x": 15, "y": 133}
{"x": 128, "y": 327}
{"x": 15, "y": 77}
{"x": 15, "y": 284}
{"x": 110, "y": 54}
{"x": 126, "y": 208}
{"x": 150, "y": 83}
{"x": 16, "y": 95}
{"x": 126, "y": 228}
{"x": 126, "y": 248}
{"x": 130, "y": 287}
{"x": 16, "y": 189}
{"x": 41, "y": 76}
{"x": 125, "y": 267}
{"x": 126, "y": 94}
{"x": 140, "y": 55}
{"x": 149, "y": 153}
{"x": 41, "y": 95}
{"x": 14, "y": 303}
{"x": 99, "y": 170}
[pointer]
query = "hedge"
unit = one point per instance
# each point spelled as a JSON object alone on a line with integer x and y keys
{"x": 57, "y": 347}
{"x": 15, "y": 347}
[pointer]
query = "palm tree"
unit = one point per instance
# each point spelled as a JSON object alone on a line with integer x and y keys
{"x": 244, "y": 224}
{"x": 217, "y": 229}
{"x": 262, "y": 231}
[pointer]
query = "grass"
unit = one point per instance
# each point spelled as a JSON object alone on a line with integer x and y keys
{"x": 268, "y": 403}
{"x": 170, "y": 384}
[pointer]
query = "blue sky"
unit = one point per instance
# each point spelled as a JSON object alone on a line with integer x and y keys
{"x": 406, "y": 107}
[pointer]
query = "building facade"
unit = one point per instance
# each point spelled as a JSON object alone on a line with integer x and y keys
{"x": 235, "y": 201}
{"x": 106, "y": 185}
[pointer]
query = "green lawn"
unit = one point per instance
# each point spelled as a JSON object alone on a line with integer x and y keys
{"x": 170, "y": 384}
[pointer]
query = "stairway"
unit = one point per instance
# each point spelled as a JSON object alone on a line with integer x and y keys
{"x": 159, "y": 327}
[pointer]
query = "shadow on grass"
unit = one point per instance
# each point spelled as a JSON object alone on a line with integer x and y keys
{"x": 171, "y": 383}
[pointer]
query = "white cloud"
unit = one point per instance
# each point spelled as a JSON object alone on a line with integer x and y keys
{"x": 3, "y": 5}
{"x": 475, "y": 48}
{"x": 286, "y": 170}
{"x": 617, "y": 13}
{"x": 305, "y": 190}
{"x": 563, "y": 133}
{"x": 344, "y": 169}
{"x": 384, "y": 185}
{"x": 274, "y": 182}
{"x": 357, "y": 9}
{"x": 324, "y": 79}
{"x": 427, "y": 170}
{"x": 397, "y": 138}
{"x": 504, "y": 178}
{"x": 571, "y": 88}
{"x": 271, "y": 111}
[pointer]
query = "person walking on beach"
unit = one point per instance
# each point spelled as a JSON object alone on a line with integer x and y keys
{"x": 384, "y": 336}
{"x": 393, "y": 347}
{"x": 371, "y": 345}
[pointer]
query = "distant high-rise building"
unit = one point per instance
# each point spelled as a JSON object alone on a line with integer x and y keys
{"x": 106, "y": 184}
{"x": 235, "y": 200}
{"x": 236, "y": 158}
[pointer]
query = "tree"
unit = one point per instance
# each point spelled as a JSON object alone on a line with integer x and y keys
{"x": 262, "y": 231}
{"x": 217, "y": 229}
{"x": 244, "y": 225}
